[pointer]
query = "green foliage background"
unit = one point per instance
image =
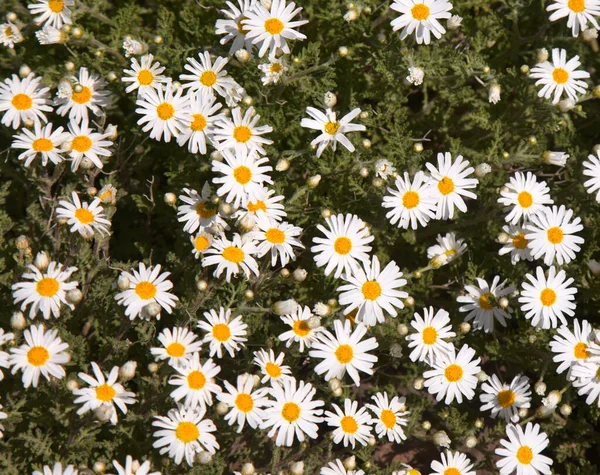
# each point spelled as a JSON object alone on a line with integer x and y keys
{"x": 450, "y": 111}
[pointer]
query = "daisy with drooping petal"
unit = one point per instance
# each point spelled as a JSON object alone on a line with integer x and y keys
{"x": 206, "y": 76}
{"x": 448, "y": 246}
{"x": 84, "y": 218}
{"x": 232, "y": 26}
{"x": 524, "y": 197}
{"x": 184, "y": 433}
{"x": 337, "y": 468}
{"x": 246, "y": 405}
{"x": 560, "y": 76}
{"x": 22, "y": 100}
{"x": 240, "y": 133}
{"x": 551, "y": 234}
{"x": 351, "y": 424}
{"x": 146, "y": 285}
{"x": 43, "y": 353}
{"x": 453, "y": 375}
{"x": 133, "y": 467}
{"x": 421, "y": 17}
{"x": 578, "y": 13}
{"x": 57, "y": 470}
{"x": 455, "y": 463}
{"x": 270, "y": 28}
{"x": 144, "y": 75}
{"x": 521, "y": 453}
{"x": 592, "y": 169}
{"x": 277, "y": 239}
{"x": 390, "y": 416}
{"x": 586, "y": 379}
{"x": 450, "y": 183}
{"x": 92, "y": 96}
{"x": 412, "y": 204}
{"x": 516, "y": 244}
{"x": 201, "y": 126}
{"x": 504, "y": 399}
{"x": 332, "y": 129}
{"x": 49, "y": 35}
{"x": 344, "y": 244}
{"x": 300, "y": 331}
{"x": 233, "y": 256}
{"x": 43, "y": 142}
{"x": 85, "y": 143}
{"x": 195, "y": 382}
{"x": 482, "y": 304}
{"x": 46, "y": 291}
{"x": 545, "y": 300}
{"x": 10, "y": 35}
{"x": 223, "y": 332}
{"x": 199, "y": 211}
{"x": 292, "y": 413}
{"x": 201, "y": 242}
{"x": 103, "y": 391}
{"x": 272, "y": 367}
{"x": 272, "y": 71}
{"x": 574, "y": 347}
{"x": 178, "y": 345}
{"x": 261, "y": 200}
{"x": 429, "y": 339}
{"x": 372, "y": 291}
{"x": 344, "y": 352}
{"x": 55, "y": 13}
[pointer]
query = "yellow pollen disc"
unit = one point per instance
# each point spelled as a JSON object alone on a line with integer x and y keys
{"x": 165, "y": 111}
{"x": 242, "y": 174}
{"x": 560, "y": 76}
{"x": 242, "y": 134}
{"x": 201, "y": 243}
{"x": 275, "y": 236}
{"x": 348, "y": 424}
{"x": 233, "y": 254}
{"x": 548, "y": 297}
{"x": 81, "y": 144}
{"x": 276, "y": 67}
{"x": 56, "y": 6}
{"x": 525, "y": 199}
{"x": 290, "y": 412}
{"x": 484, "y": 301}
{"x": 371, "y": 290}
{"x": 105, "y": 393}
{"x": 506, "y": 398}
{"x": 244, "y": 402}
{"x": 412, "y": 471}
{"x": 8, "y": 32}
{"x": 21, "y": 102}
{"x": 388, "y": 418}
{"x": 446, "y": 186}
{"x": 519, "y": 241}
{"x": 301, "y": 328}
{"x": 331, "y": 127}
{"x": 452, "y": 471}
{"x": 187, "y": 432}
{"x": 205, "y": 211}
{"x": 598, "y": 373}
{"x": 145, "y": 290}
{"x": 581, "y": 351}
{"x": 273, "y": 370}
{"x": 555, "y": 235}
{"x": 145, "y": 77}
{"x": 352, "y": 316}
{"x": 524, "y": 455}
{"x": 274, "y": 26}
{"x": 342, "y": 245}
{"x": 106, "y": 195}
{"x": 258, "y": 204}
{"x": 196, "y": 380}
{"x": 430, "y": 335}
{"x": 47, "y": 287}
{"x": 576, "y": 6}
{"x": 453, "y": 373}
{"x": 42, "y": 145}
{"x": 450, "y": 252}
{"x": 208, "y": 78}
{"x": 221, "y": 332}
{"x": 199, "y": 123}
{"x": 344, "y": 354}
{"x": 37, "y": 356}
{"x": 176, "y": 350}
{"x": 242, "y": 28}
{"x": 84, "y": 216}
{"x": 82, "y": 97}
{"x": 420, "y": 12}
{"x": 411, "y": 199}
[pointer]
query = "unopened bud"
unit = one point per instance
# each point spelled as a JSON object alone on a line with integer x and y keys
{"x": 297, "y": 468}
{"x": 590, "y": 34}
{"x": 18, "y": 321}
{"x": 314, "y": 322}
{"x": 123, "y": 282}
{"x": 152, "y": 309}
{"x": 566, "y": 410}
{"x": 364, "y": 172}
{"x": 326, "y": 213}
{"x": 248, "y": 294}
{"x": 170, "y": 198}
{"x": 441, "y": 439}
{"x": 22, "y": 242}
{"x": 471, "y": 441}
{"x": 204, "y": 457}
{"x": 337, "y": 392}
{"x": 343, "y": 51}
{"x": 99, "y": 467}
{"x": 41, "y": 261}
{"x": 72, "y": 384}
{"x": 454, "y": 22}
{"x": 282, "y": 165}
{"x": 242, "y": 55}
{"x": 313, "y": 181}
{"x": 418, "y": 383}
{"x": 409, "y": 301}
{"x": 248, "y": 469}
{"x": 465, "y": 327}
{"x": 300, "y": 275}
{"x": 74, "y": 296}
{"x": 350, "y": 463}
{"x": 540, "y": 388}
{"x": 285, "y": 273}
{"x": 152, "y": 367}
{"x": 482, "y": 170}
{"x": 285, "y": 307}
{"x": 541, "y": 55}
{"x": 127, "y": 371}
{"x": 330, "y": 99}
{"x": 24, "y": 71}
{"x": 426, "y": 425}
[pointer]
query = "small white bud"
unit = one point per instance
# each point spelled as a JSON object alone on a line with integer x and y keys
{"x": 322, "y": 309}
{"x": 482, "y": 376}
{"x": 566, "y": 410}
{"x": 248, "y": 294}
{"x": 99, "y": 467}
{"x": 329, "y": 99}
{"x": 590, "y": 34}
{"x": 558, "y": 159}
{"x": 351, "y": 15}
{"x": 478, "y": 423}
{"x": 285, "y": 307}
{"x": 285, "y": 273}
{"x": 326, "y": 213}
{"x": 74, "y": 296}
{"x": 313, "y": 181}
{"x": 337, "y": 392}
{"x": 541, "y": 55}
{"x": 300, "y": 275}
{"x": 532, "y": 339}
{"x": 523, "y": 412}
{"x": 524, "y": 69}
{"x": 92, "y": 191}
{"x": 127, "y": 371}
{"x": 18, "y": 321}
{"x": 372, "y": 441}
{"x": 503, "y": 302}
{"x": 364, "y": 172}
{"x": 366, "y": 143}
{"x": 123, "y": 282}
{"x": 297, "y": 468}
{"x": 465, "y": 327}
{"x": 222, "y": 408}
{"x": 158, "y": 39}
{"x": 22, "y": 242}
{"x": 350, "y": 463}
{"x": 111, "y": 131}
{"x": 152, "y": 309}
{"x": 415, "y": 76}
{"x": 334, "y": 384}
{"x": 418, "y": 383}
{"x": 540, "y": 388}
{"x": 594, "y": 266}
{"x": 396, "y": 350}
{"x": 378, "y": 182}
{"x": 170, "y": 198}
{"x": 72, "y": 384}
{"x": 402, "y": 329}
{"x": 343, "y": 51}
{"x": 152, "y": 367}
{"x": 11, "y": 16}
{"x": 104, "y": 412}
{"x": 247, "y": 100}
{"x": 41, "y": 261}
{"x": 282, "y": 165}
{"x": 247, "y": 222}
{"x": 552, "y": 400}
{"x": 482, "y": 170}
{"x": 418, "y": 147}
{"x": 70, "y": 66}
{"x": 454, "y": 22}
{"x": 204, "y": 457}
{"x": 503, "y": 238}
{"x": 24, "y": 71}
{"x": 242, "y": 55}
{"x": 566, "y": 105}
{"x": 441, "y": 439}
{"x": 471, "y": 441}
{"x": 409, "y": 301}
{"x": 426, "y": 425}
{"x": 202, "y": 285}
{"x": 248, "y": 469}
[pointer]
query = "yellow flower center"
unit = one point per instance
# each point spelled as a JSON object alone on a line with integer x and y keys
{"x": 37, "y": 356}
{"x": 420, "y": 12}
{"x": 8, "y": 32}
{"x": 208, "y": 78}
{"x": 242, "y": 174}
{"x": 445, "y": 185}
{"x": 258, "y": 204}
{"x": 450, "y": 252}
{"x": 371, "y": 290}
{"x": 344, "y": 354}
{"x": 145, "y": 77}
{"x": 342, "y": 245}
{"x": 205, "y": 211}
{"x": 388, "y": 418}
{"x": 411, "y": 199}
{"x": 244, "y": 402}
{"x": 348, "y": 424}
{"x": 201, "y": 243}
{"x": 412, "y": 471}
{"x": 519, "y": 241}
{"x": 56, "y": 6}
{"x": 242, "y": 28}
{"x": 430, "y": 335}
{"x": 47, "y": 287}
{"x": 452, "y": 471}
{"x": 233, "y": 254}
{"x": 275, "y": 236}
{"x": 290, "y": 412}
{"x": 506, "y": 398}
{"x": 187, "y": 432}
{"x": 42, "y": 145}
{"x": 242, "y": 134}
{"x": 581, "y": 351}
{"x": 576, "y": 6}
{"x": 274, "y": 26}
{"x": 84, "y": 216}
{"x": 555, "y": 235}
{"x": 81, "y": 144}
{"x": 196, "y": 380}
{"x": 560, "y": 76}
{"x": 145, "y": 290}
{"x": 199, "y": 123}
{"x": 598, "y": 373}
{"x": 331, "y": 127}
{"x": 176, "y": 350}
{"x": 82, "y": 97}
{"x": 165, "y": 111}
{"x": 273, "y": 370}
{"x": 106, "y": 195}
{"x": 525, "y": 199}
{"x": 301, "y": 328}
{"x": 548, "y": 297}
{"x": 524, "y": 455}
{"x": 105, "y": 393}
{"x": 453, "y": 373}
{"x": 484, "y": 301}
{"x": 21, "y": 102}
{"x": 221, "y": 332}
{"x": 276, "y": 67}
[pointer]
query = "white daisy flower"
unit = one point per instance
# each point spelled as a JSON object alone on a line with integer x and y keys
{"x": 146, "y": 285}
{"x": 545, "y": 300}
{"x": 384, "y": 168}
{"x": 277, "y": 239}
{"x": 407, "y": 470}
{"x": 372, "y": 291}
{"x": 272, "y": 368}
{"x": 337, "y": 468}
{"x": 246, "y": 405}
{"x": 412, "y": 204}
{"x": 453, "y": 375}
{"x": 270, "y": 28}
{"x": 551, "y": 234}
{"x": 184, "y": 433}
{"x": 344, "y": 244}
{"x": 49, "y": 35}
{"x": 524, "y": 197}
{"x": 450, "y": 184}
{"x": 144, "y": 75}
{"x": 178, "y": 346}
{"x": 242, "y": 173}
{"x": 351, "y": 424}
{"x": 300, "y": 332}
{"x": 165, "y": 112}
{"x": 211, "y": 78}
{"x": 46, "y": 291}
{"x": 201, "y": 127}
{"x": 85, "y": 143}
{"x": 431, "y": 330}
{"x": 344, "y": 352}
{"x": 578, "y": 13}
{"x": 272, "y": 71}
{"x": 240, "y": 134}
{"x": 22, "y": 100}
{"x": 223, "y": 332}
{"x": 521, "y": 452}
{"x": 332, "y": 129}
{"x": 421, "y": 17}
{"x": 133, "y": 467}
{"x": 232, "y": 26}
{"x": 261, "y": 200}
{"x": 55, "y": 13}
{"x": 103, "y": 391}
{"x": 558, "y": 159}
{"x": 448, "y": 246}
{"x": 516, "y": 245}
{"x": 201, "y": 242}
{"x": 57, "y": 469}
{"x": 133, "y": 47}
{"x": 92, "y": 96}
{"x": 195, "y": 382}
{"x": 455, "y": 463}
{"x": 592, "y": 169}
{"x": 560, "y": 76}
{"x": 84, "y": 218}
{"x": 43, "y": 142}
{"x": 504, "y": 399}
{"x": 10, "y": 35}
{"x": 586, "y": 379}
{"x": 292, "y": 413}
{"x": 390, "y": 416}
{"x": 482, "y": 304}
{"x": 4, "y": 338}
{"x": 199, "y": 211}
{"x": 573, "y": 347}
{"x": 43, "y": 353}
{"x": 233, "y": 256}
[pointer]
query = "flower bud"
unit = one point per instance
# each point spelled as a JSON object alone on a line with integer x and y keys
{"x": 41, "y": 261}
{"x": 24, "y": 71}
{"x": 111, "y": 131}
{"x": 314, "y": 322}
{"x": 222, "y": 408}
{"x": 248, "y": 469}
{"x": 127, "y": 371}
{"x": 366, "y": 143}
{"x": 396, "y": 350}
{"x": 152, "y": 367}
{"x": 471, "y": 441}
{"x": 337, "y": 392}
{"x": 104, "y": 412}
{"x": 202, "y": 285}
{"x": 151, "y": 310}
{"x": 566, "y": 105}
{"x": 170, "y": 198}
{"x": 74, "y": 296}
{"x": 297, "y": 468}
{"x": 99, "y": 467}
{"x": 282, "y": 165}
{"x": 540, "y": 388}
{"x": 242, "y": 55}
{"x": 248, "y": 294}
{"x": 590, "y": 34}
{"x": 523, "y": 412}
{"x": 330, "y": 99}
{"x": 72, "y": 384}
{"x": 343, "y": 51}
{"x": 594, "y": 266}
{"x": 418, "y": 147}
{"x": 478, "y": 423}
{"x": 482, "y": 377}
{"x": 70, "y": 66}
{"x": 558, "y": 159}
{"x": 350, "y": 463}
{"x": 566, "y": 410}
{"x": 326, "y": 213}
{"x": 552, "y": 400}
{"x": 123, "y": 282}
{"x": 364, "y": 172}
{"x": 532, "y": 339}
{"x": 285, "y": 307}
{"x": 108, "y": 194}
{"x": 465, "y": 327}
{"x": 441, "y": 439}
{"x": 524, "y": 69}
{"x": 482, "y": 170}
{"x": 418, "y": 383}
{"x": 300, "y": 275}
{"x": 541, "y": 55}
{"x": 18, "y": 321}
{"x": 11, "y": 16}
{"x": 204, "y": 457}
{"x": 402, "y": 329}
{"x": 22, "y": 242}
{"x": 454, "y": 22}
{"x": 111, "y": 76}
{"x": 322, "y": 309}
{"x": 426, "y": 425}
{"x": 247, "y": 100}
{"x": 285, "y": 273}
{"x": 377, "y": 182}
{"x": 503, "y": 302}
{"x": 313, "y": 181}
{"x": 334, "y": 384}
